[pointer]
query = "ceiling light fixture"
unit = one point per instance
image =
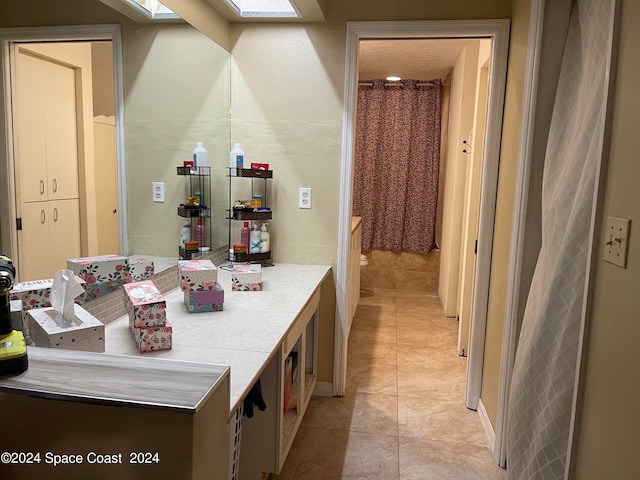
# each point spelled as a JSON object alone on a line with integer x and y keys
{"x": 264, "y": 8}
{"x": 393, "y": 79}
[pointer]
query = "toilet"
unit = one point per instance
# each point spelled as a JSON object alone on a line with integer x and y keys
{"x": 364, "y": 261}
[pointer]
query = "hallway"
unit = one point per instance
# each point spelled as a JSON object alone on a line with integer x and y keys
{"x": 403, "y": 416}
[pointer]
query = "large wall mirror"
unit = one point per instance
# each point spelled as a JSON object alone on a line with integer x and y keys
{"x": 136, "y": 123}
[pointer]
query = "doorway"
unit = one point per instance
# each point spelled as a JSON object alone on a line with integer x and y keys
{"x": 497, "y": 32}
{"x": 100, "y": 148}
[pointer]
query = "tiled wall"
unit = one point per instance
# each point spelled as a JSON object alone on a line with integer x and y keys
{"x": 112, "y": 306}
{"x": 401, "y": 271}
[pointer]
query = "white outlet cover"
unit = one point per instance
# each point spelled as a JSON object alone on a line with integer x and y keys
{"x": 304, "y": 197}
{"x": 157, "y": 192}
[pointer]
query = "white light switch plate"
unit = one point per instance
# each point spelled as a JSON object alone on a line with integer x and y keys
{"x": 304, "y": 197}
{"x": 157, "y": 190}
{"x": 616, "y": 241}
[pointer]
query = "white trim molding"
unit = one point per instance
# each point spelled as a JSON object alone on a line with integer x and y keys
{"x": 498, "y": 32}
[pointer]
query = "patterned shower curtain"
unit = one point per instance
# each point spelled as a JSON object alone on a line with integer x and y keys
{"x": 544, "y": 373}
{"x": 397, "y": 163}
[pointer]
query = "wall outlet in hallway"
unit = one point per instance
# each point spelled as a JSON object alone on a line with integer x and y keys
{"x": 304, "y": 197}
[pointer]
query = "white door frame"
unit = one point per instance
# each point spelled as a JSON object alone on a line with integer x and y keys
{"x": 9, "y": 37}
{"x": 498, "y": 32}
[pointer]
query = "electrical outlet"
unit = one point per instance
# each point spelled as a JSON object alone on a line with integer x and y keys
{"x": 158, "y": 191}
{"x": 304, "y": 197}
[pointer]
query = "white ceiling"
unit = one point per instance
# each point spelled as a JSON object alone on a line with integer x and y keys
{"x": 417, "y": 59}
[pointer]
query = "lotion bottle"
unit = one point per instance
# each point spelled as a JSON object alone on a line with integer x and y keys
{"x": 255, "y": 239}
{"x": 236, "y": 160}
{"x": 200, "y": 233}
{"x": 185, "y": 233}
{"x": 264, "y": 238}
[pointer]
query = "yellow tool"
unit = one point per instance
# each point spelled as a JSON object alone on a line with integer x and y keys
{"x": 13, "y": 348}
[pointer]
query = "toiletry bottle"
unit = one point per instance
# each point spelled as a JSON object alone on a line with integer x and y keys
{"x": 232, "y": 255}
{"x": 244, "y": 235}
{"x": 200, "y": 155}
{"x": 255, "y": 239}
{"x": 236, "y": 160}
{"x": 185, "y": 233}
{"x": 200, "y": 233}
{"x": 264, "y": 238}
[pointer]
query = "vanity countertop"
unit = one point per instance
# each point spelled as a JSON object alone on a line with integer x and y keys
{"x": 115, "y": 379}
{"x": 244, "y": 336}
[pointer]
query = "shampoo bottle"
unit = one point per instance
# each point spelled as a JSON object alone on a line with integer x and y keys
{"x": 236, "y": 160}
{"x": 255, "y": 239}
{"x": 244, "y": 235}
{"x": 200, "y": 156}
{"x": 264, "y": 239}
{"x": 200, "y": 233}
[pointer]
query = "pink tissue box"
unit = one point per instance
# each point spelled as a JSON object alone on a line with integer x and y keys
{"x": 103, "y": 274}
{"x": 145, "y": 304}
{"x": 37, "y": 294}
{"x": 151, "y": 339}
{"x": 246, "y": 278}
{"x": 197, "y": 275}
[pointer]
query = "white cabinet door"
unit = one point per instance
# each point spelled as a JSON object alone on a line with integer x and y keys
{"x": 64, "y": 233}
{"x": 33, "y": 242}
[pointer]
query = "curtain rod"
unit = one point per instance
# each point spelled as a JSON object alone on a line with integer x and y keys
{"x": 399, "y": 84}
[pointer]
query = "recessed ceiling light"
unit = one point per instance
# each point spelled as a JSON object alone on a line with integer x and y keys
{"x": 394, "y": 79}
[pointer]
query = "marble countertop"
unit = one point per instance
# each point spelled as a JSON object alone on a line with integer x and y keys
{"x": 244, "y": 336}
{"x": 115, "y": 379}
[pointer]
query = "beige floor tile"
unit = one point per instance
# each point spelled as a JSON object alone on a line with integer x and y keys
{"x": 447, "y": 420}
{"x": 340, "y": 454}
{"x": 376, "y": 314}
{"x": 424, "y": 459}
{"x": 359, "y": 412}
{"x": 417, "y": 338}
{"x": 380, "y": 378}
{"x": 378, "y": 296}
{"x": 289, "y": 467}
{"x": 361, "y": 352}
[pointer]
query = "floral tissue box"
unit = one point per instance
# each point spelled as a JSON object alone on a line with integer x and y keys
{"x": 145, "y": 304}
{"x": 37, "y": 294}
{"x": 208, "y": 301}
{"x": 152, "y": 339}
{"x": 140, "y": 268}
{"x": 87, "y": 335}
{"x": 197, "y": 275}
{"x": 246, "y": 278}
{"x": 102, "y": 274}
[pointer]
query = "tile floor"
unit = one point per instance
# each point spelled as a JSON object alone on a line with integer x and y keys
{"x": 403, "y": 416}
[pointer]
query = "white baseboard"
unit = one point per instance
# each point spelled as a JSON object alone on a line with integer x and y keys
{"x": 486, "y": 424}
{"x": 323, "y": 389}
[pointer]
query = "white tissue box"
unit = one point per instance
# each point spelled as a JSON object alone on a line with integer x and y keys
{"x": 140, "y": 268}
{"x": 103, "y": 274}
{"x": 88, "y": 336}
{"x": 246, "y": 278}
{"x": 37, "y": 293}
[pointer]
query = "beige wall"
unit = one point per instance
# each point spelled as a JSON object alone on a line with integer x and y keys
{"x": 610, "y": 423}
{"x": 504, "y": 207}
{"x": 176, "y": 84}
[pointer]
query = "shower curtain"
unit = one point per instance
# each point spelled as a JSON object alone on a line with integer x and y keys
{"x": 397, "y": 162}
{"x": 543, "y": 381}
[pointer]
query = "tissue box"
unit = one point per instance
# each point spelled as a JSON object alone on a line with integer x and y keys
{"x": 246, "y": 278}
{"x": 102, "y": 274}
{"x": 37, "y": 294}
{"x": 15, "y": 306}
{"x": 209, "y": 301}
{"x": 151, "y": 339}
{"x": 140, "y": 268}
{"x": 45, "y": 332}
{"x": 197, "y": 275}
{"x": 145, "y": 304}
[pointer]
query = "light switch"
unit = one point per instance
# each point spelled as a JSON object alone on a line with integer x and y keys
{"x": 158, "y": 191}
{"x": 616, "y": 241}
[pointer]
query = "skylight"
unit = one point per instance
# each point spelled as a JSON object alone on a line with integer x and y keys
{"x": 153, "y": 9}
{"x": 264, "y": 8}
